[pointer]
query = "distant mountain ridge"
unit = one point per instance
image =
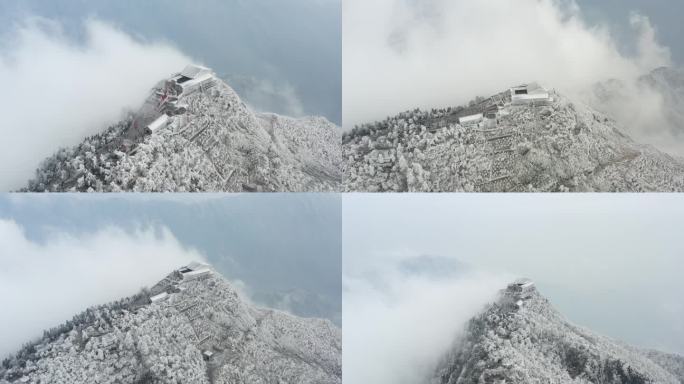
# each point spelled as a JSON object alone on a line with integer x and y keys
{"x": 521, "y": 338}
{"x": 195, "y": 134}
{"x": 555, "y": 145}
{"x": 665, "y": 84}
{"x": 191, "y": 327}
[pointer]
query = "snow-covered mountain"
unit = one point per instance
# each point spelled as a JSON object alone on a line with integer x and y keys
{"x": 508, "y": 142}
{"x": 191, "y": 327}
{"x": 195, "y": 134}
{"x": 522, "y": 339}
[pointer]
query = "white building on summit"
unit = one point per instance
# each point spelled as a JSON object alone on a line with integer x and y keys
{"x": 166, "y": 106}
{"x": 530, "y": 94}
{"x": 195, "y": 270}
{"x": 486, "y": 113}
{"x": 519, "y": 291}
{"x": 524, "y": 284}
{"x": 193, "y": 78}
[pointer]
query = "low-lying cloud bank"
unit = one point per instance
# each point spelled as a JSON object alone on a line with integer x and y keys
{"x": 596, "y": 257}
{"x": 56, "y": 90}
{"x": 44, "y": 284}
{"x": 398, "y": 323}
{"x": 399, "y": 55}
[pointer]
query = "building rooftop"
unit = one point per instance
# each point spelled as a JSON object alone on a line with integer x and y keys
{"x": 524, "y": 282}
{"x": 196, "y": 265}
{"x": 192, "y": 71}
{"x": 159, "y": 297}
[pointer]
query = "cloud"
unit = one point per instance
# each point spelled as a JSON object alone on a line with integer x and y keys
{"x": 56, "y": 90}
{"x": 403, "y": 54}
{"x": 44, "y": 284}
{"x": 397, "y": 325}
{"x": 595, "y": 257}
{"x": 266, "y": 96}
{"x": 650, "y": 53}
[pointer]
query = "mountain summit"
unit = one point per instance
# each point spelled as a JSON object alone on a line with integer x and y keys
{"x": 191, "y": 327}
{"x": 525, "y": 139}
{"x": 193, "y": 133}
{"x": 521, "y": 339}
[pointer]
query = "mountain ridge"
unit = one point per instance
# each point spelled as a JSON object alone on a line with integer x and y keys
{"x": 197, "y": 135}
{"x": 190, "y": 327}
{"x": 555, "y": 144}
{"x": 521, "y": 338}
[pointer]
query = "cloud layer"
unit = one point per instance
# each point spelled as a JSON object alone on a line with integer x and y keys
{"x": 596, "y": 257}
{"x": 44, "y": 284}
{"x": 266, "y": 96}
{"x": 57, "y": 91}
{"x": 402, "y": 54}
{"x": 397, "y": 325}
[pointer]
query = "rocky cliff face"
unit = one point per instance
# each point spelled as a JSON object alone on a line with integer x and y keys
{"x": 557, "y": 146}
{"x": 522, "y": 339}
{"x": 208, "y": 141}
{"x": 189, "y": 328}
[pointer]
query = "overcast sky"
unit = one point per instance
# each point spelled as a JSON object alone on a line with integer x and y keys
{"x": 609, "y": 262}
{"x": 664, "y": 14}
{"x": 405, "y": 54}
{"x": 293, "y": 47}
{"x": 63, "y": 253}
{"x": 75, "y": 67}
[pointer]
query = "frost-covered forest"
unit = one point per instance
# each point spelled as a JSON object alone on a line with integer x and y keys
{"x": 562, "y": 146}
{"x": 216, "y": 143}
{"x": 201, "y": 332}
{"x": 521, "y": 338}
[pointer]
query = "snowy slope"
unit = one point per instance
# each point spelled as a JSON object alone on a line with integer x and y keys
{"x": 522, "y": 339}
{"x": 211, "y": 142}
{"x": 166, "y": 341}
{"x": 564, "y": 146}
